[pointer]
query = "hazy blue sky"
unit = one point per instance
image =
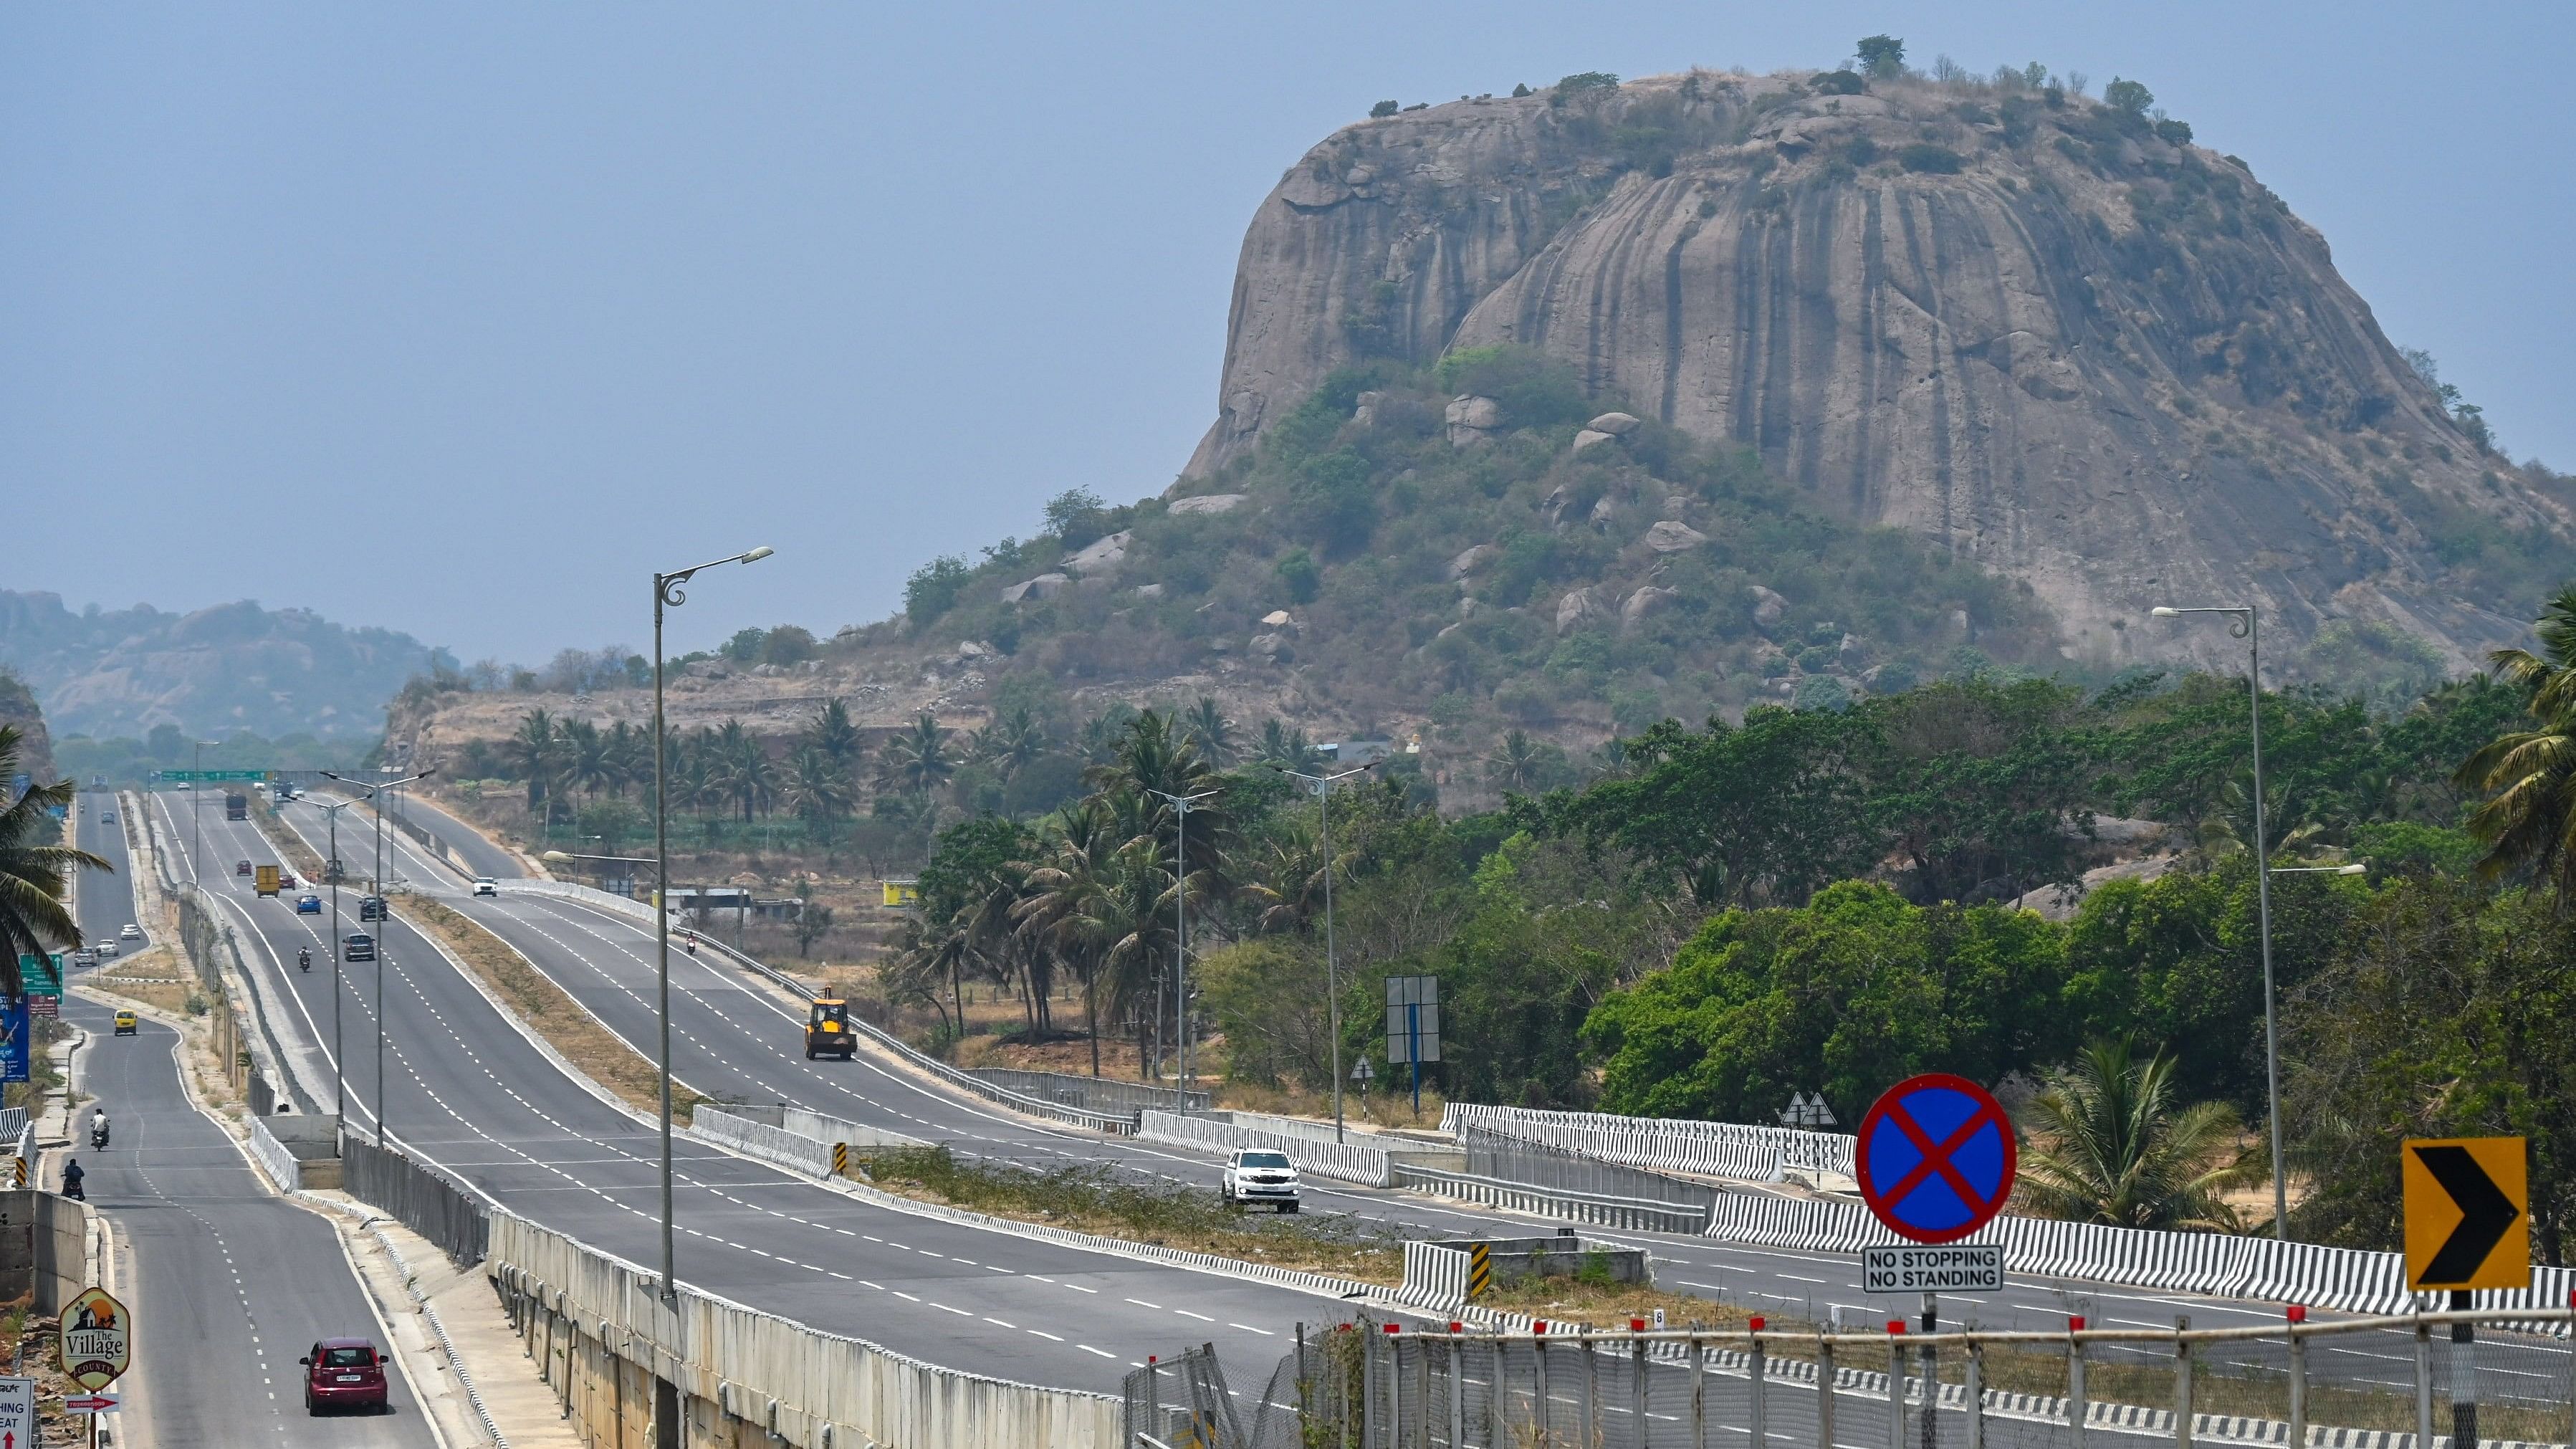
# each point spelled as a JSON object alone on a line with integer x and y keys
{"x": 460, "y": 319}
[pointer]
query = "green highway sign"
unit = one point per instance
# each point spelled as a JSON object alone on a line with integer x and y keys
{"x": 209, "y": 775}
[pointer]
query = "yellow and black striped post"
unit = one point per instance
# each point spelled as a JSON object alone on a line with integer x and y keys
{"x": 1480, "y": 1270}
{"x": 22, "y": 1171}
{"x": 840, "y": 1159}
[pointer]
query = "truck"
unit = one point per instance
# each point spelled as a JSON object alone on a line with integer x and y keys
{"x": 236, "y": 807}
{"x": 264, "y": 880}
{"x": 827, "y": 1030}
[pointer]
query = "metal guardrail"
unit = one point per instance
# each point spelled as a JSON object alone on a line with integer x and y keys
{"x": 1096, "y": 1094}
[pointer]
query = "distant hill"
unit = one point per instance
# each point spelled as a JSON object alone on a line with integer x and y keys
{"x": 213, "y": 672}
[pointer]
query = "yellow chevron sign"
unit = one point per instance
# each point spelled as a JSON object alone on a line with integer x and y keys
{"x": 1480, "y": 1270}
{"x": 2468, "y": 1213}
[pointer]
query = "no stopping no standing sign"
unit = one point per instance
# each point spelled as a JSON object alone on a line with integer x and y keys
{"x": 1935, "y": 1158}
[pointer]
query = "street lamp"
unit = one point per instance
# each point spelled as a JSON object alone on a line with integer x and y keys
{"x": 1181, "y": 931}
{"x": 1332, "y": 976}
{"x": 331, "y": 875}
{"x": 2243, "y": 623}
{"x": 197, "y": 812}
{"x": 667, "y": 595}
{"x": 376, "y": 889}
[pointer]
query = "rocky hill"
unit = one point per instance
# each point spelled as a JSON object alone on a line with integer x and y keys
{"x": 231, "y": 667}
{"x": 2040, "y": 332}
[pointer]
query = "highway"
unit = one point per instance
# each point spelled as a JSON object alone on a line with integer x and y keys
{"x": 230, "y": 1284}
{"x": 465, "y": 1089}
{"x": 734, "y": 1039}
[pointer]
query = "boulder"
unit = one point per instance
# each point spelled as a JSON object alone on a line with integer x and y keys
{"x": 1278, "y": 618}
{"x": 1149, "y": 591}
{"x": 1209, "y": 503}
{"x": 1851, "y": 651}
{"x": 1471, "y": 560}
{"x": 1571, "y": 610}
{"x": 1472, "y": 419}
{"x": 1588, "y": 438}
{"x": 1671, "y": 537}
{"x": 1644, "y": 604}
{"x": 1767, "y": 606}
{"x": 1273, "y": 645}
{"x": 1101, "y": 555}
{"x": 1044, "y": 586}
{"x": 1617, "y": 425}
{"x": 1365, "y": 413}
{"x": 1604, "y": 508}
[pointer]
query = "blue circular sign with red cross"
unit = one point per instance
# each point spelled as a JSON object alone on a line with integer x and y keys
{"x": 1935, "y": 1158}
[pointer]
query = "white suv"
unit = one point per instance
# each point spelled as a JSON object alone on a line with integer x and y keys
{"x": 484, "y": 885}
{"x": 1259, "y": 1177}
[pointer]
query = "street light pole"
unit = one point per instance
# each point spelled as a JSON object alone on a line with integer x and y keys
{"x": 2245, "y": 624}
{"x": 1181, "y": 933}
{"x": 667, "y": 594}
{"x": 1332, "y": 975}
{"x": 376, "y": 891}
{"x": 331, "y": 874}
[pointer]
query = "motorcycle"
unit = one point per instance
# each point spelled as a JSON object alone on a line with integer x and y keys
{"x": 303, "y": 960}
{"x": 98, "y": 1136}
{"x": 72, "y": 1189}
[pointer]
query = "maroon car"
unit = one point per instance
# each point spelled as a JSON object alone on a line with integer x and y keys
{"x": 343, "y": 1373}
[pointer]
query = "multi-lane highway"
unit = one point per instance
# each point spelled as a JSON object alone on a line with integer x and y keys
{"x": 735, "y": 1039}
{"x": 466, "y": 1089}
{"x": 230, "y": 1284}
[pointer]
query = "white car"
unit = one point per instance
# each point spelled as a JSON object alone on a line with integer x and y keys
{"x": 1253, "y": 1176}
{"x": 106, "y": 949}
{"x": 131, "y": 932}
{"x": 484, "y": 885}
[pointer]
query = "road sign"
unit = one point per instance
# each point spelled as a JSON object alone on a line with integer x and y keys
{"x": 91, "y": 1403}
{"x": 17, "y": 1412}
{"x": 97, "y": 1340}
{"x": 1935, "y": 1158}
{"x": 1412, "y": 1019}
{"x": 14, "y": 1039}
{"x": 2468, "y": 1201}
{"x": 186, "y": 777}
{"x": 1928, "y": 1268}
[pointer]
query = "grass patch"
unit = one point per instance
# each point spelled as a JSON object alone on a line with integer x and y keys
{"x": 549, "y": 1010}
{"x": 156, "y": 977}
{"x": 1096, "y": 1200}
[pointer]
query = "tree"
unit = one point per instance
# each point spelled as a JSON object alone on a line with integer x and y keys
{"x": 832, "y": 733}
{"x": 819, "y": 789}
{"x": 34, "y": 871}
{"x": 1076, "y": 517}
{"x": 1287, "y": 748}
{"x": 615, "y": 822}
{"x": 2127, "y": 97}
{"x": 916, "y": 761}
{"x": 2112, "y": 1142}
{"x": 1515, "y": 765}
{"x": 933, "y": 588}
{"x": 2528, "y": 822}
{"x": 1378, "y": 112}
{"x": 740, "y": 768}
{"x": 1882, "y": 56}
{"x": 533, "y": 749}
{"x": 812, "y": 919}
{"x": 1210, "y": 733}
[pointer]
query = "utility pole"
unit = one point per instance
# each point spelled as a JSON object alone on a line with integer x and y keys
{"x": 1181, "y": 932}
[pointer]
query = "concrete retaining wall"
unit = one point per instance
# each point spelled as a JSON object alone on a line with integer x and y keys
{"x": 1347, "y": 1161}
{"x": 618, "y": 1356}
{"x": 44, "y": 1247}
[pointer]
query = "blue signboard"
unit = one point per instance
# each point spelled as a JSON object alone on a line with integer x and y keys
{"x": 18, "y": 1045}
{"x": 1935, "y": 1158}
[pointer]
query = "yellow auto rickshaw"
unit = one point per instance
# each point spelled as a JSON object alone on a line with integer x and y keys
{"x": 125, "y": 1023}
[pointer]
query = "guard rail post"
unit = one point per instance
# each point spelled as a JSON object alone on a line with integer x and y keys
{"x": 1754, "y": 1418}
{"x": 1457, "y": 1389}
{"x": 1544, "y": 1415}
{"x": 2075, "y": 1406}
{"x": 1591, "y": 1390}
{"x": 1699, "y": 1392}
{"x": 2423, "y": 1381}
{"x": 2464, "y": 1375}
{"x": 2298, "y": 1316}
{"x": 1422, "y": 1395}
{"x": 1976, "y": 1386}
{"x": 1825, "y": 1376}
{"x": 1637, "y": 1393}
{"x": 2182, "y": 1383}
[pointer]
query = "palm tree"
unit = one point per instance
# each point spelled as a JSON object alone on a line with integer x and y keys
{"x": 2111, "y": 1144}
{"x": 2528, "y": 822}
{"x": 1287, "y": 878}
{"x": 532, "y": 747}
{"x": 1061, "y": 892}
{"x": 832, "y": 733}
{"x": 1211, "y": 732}
{"x": 1012, "y": 743}
{"x": 1287, "y": 748}
{"x": 1517, "y": 764}
{"x": 819, "y": 788}
{"x": 33, "y": 873}
{"x": 916, "y": 761}
{"x": 589, "y": 760}
{"x": 741, "y": 768}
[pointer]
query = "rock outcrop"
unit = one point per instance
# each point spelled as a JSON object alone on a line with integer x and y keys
{"x": 2042, "y": 334}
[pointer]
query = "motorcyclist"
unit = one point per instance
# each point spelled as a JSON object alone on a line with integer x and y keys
{"x": 72, "y": 1176}
{"x": 304, "y": 958}
{"x": 98, "y": 1129}
{"x": 692, "y": 938}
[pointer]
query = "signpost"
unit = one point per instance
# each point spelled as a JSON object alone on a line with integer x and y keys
{"x": 17, "y": 1413}
{"x": 1935, "y": 1160}
{"x": 1413, "y": 1026}
{"x": 16, "y": 1041}
{"x": 1927, "y": 1269}
{"x": 97, "y": 1340}
{"x": 2468, "y": 1226}
{"x": 186, "y": 777}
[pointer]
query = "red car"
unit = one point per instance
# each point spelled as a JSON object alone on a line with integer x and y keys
{"x": 241, "y": 867}
{"x": 343, "y": 1373}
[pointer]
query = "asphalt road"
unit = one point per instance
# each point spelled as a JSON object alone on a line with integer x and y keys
{"x": 733, "y": 1039}
{"x": 231, "y": 1285}
{"x": 465, "y": 1089}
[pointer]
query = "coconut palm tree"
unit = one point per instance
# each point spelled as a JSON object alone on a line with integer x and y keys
{"x": 819, "y": 789}
{"x": 1213, "y": 734}
{"x": 1517, "y": 764}
{"x": 741, "y": 768}
{"x": 2528, "y": 822}
{"x": 1287, "y": 748}
{"x": 2111, "y": 1143}
{"x": 917, "y": 761}
{"x": 1012, "y": 743}
{"x": 1061, "y": 890}
{"x": 533, "y": 749}
{"x": 33, "y": 871}
{"x": 589, "y": 758}
{"x": 832, "y": 733}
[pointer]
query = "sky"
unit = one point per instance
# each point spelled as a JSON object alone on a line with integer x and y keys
{"x": 463, "y": 319}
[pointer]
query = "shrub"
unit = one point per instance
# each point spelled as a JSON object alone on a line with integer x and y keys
{"x": 1838, "y": 83}
{"x": 2178, "y": 132}
{"x": 1862, "y": 151}
{"x": 2127, "y": 97}
{"x": 1297, "y": 573}
{"x": 933, "y": 588}
{"x": 1881, "y": 55}
{"x": 1536, "y": 391}
{"x": 1590, "y": 80}
{"x": 1076, "y": 517}
{"x": 1926, "y": 156}
{"x": 1520, "y": 91}
{"x": 1382, "y": 110}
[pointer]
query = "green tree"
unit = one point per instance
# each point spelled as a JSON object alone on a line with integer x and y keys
{"x": 1515, "y": 764}
{"x": 1211, "y": 733}
{"x": 615, "y": 823}
{"x": 1380, "y": 111}
{"x": 933, "y": 588}
{"x": 917, "y": 760}
{"x": 2113, "y": 1142}
{"x": 813, "y": 919}
{"x": 1882, "y": 56}
{"x": 532, "y": 749}
{"x": 2127, "y": 97}
{"x": 819, "y": 789}
{"x": 2528, "y": 820}
{"x": 833, "y": 733}
{"x": 35, "y": 869}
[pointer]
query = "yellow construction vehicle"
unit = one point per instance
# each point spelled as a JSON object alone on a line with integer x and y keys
{"x": 827, "y": 1030}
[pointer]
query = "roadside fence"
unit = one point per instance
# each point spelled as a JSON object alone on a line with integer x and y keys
{"x": 1346, "y": 1161}
{"x": 1671, "y": 1144}
{"x": 1097, "y": 1094}
{"x": 2377, "y": 1383}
